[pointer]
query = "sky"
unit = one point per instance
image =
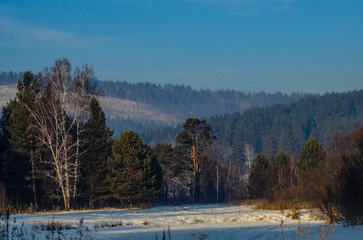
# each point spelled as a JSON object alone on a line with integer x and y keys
{"x": 289, "y": 46}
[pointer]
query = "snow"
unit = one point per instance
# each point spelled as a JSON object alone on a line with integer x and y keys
{"x": 191, "y": 222}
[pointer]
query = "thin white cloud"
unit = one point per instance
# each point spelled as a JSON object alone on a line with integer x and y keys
{"x": 27, "y": 35}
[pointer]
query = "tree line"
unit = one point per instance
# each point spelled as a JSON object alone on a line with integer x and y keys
{"x": 10, "y": 77}
{"x": 329, "y": 179}
{"x": 56, "y": 151}
{"x": 181, "y": 101}
{"x": 282, "y": 126}
{"x": 188, "y": 102}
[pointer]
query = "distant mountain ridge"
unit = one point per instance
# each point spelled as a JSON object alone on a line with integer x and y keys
{"x": 181, "y": 102}
{"x": 188, "y": 102}
{"x": 281, "y": 126}
{"x": 145, "y": 106}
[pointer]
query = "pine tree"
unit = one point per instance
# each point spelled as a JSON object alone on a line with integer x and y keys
{"x": 98, "y": 147}
{"x": 23, "y": 137}
{"x": 15, "y": 165}
{"x": 311, "y": 156}
{"x": 134, "y": 173}
{"x": 4, "y": 140}
{"x": 257, "y": 183}
{"x": 269, "y": 146}
{"x": 281, "y": 169}
{"x": 195, "y": 138}
{"x": 19, "y": 142}
{"x": 289, "y": 143}
{"x": 238, "y": 153}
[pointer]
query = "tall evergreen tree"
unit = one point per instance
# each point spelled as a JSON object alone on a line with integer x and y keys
{"x": 311, "y": 155}
{"x": 269, "y": 146}
{"x": 15, "y": 169}
{"x": 238, "y": 153}
{"x": 4, "y": 140}
{"x": 98, "y": 147}
{"x": 195, "y": 137}
{"x": 281, "y": 169}
{"x": 257, "y": 183}
{"x": 134, "y": 173}
{"x": 19, "y": 141}
{"x": 289, "y": 143}
{"x": 24, "y": 141}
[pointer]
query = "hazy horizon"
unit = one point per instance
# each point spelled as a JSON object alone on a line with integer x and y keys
{"x": 252, "y": 46}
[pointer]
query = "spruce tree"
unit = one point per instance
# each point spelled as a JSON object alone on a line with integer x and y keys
{"x": 269, "y": 146}
{"x": 311, "y": 156}
{"x": 281, "y": 159}
{"x": 18, "y": 142}
{"x": 289, "y": 143}
{"x": 281, "y": 170}
{"x": 134, "y": 173}
{"x": 4, "y": 140}
{"x": 15, "y": 165}
{"x": 98, "y": 147}
{"x": 257, "y": 182}
{"x": 23, "y": 134}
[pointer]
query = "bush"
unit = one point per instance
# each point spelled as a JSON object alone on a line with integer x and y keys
{"x": 295, "y": 209}
{"x": 344, "y": 184}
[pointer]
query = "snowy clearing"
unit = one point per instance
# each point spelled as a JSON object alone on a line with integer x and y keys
{"x": 191, "y": 222}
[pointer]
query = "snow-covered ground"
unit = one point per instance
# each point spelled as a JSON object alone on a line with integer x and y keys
{"x": 193, "y": 222}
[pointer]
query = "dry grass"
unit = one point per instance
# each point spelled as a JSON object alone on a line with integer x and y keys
{"x": 262, "y": 204}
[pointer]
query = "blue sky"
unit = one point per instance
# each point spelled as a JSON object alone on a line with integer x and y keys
{"x": 250, "y": 45}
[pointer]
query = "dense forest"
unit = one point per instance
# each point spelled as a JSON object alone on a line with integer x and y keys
{"x": 10, "y": 77}
{"x": 180, "y": 101}
{"x": 188, "y": 102}
{"x": 57, "y": 152}
{"x": 282, "y": 126}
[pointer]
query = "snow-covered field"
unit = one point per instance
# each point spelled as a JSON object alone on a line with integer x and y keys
{"x": 193, "y": 222}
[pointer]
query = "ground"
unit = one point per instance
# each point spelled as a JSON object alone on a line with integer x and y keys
{"x": 193, "y": 222}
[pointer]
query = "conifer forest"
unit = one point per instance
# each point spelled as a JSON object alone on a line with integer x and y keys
{"x": 57, "y": 152}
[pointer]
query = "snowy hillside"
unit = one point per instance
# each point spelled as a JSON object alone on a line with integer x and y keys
{"x": 113, "y": 107}
{"x": 192, "y": 222}
{"x": 7, "y": 92}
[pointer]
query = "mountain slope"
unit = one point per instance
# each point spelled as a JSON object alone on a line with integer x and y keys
{"x": 269, "y": 129}
{"x": 187, "y": 102}
{"x": 145, "y": 106}
{"x": 116, "y": 109}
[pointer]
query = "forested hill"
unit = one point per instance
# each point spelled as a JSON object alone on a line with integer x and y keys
{"x": 187, "y": 102}
{"x": 10, "y": 77}
{"x": 282, "y": 126}
{"x": 180, "y": 100}
{"x": 145, "y": 106}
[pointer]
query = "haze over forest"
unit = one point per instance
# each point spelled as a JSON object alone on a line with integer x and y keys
{"x": 146, "y": 106}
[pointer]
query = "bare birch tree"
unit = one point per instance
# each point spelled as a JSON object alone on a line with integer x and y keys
{"x": 59, "y": 112}
{"x": 250, "y": 155}
{"x": 80, "y": 107}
